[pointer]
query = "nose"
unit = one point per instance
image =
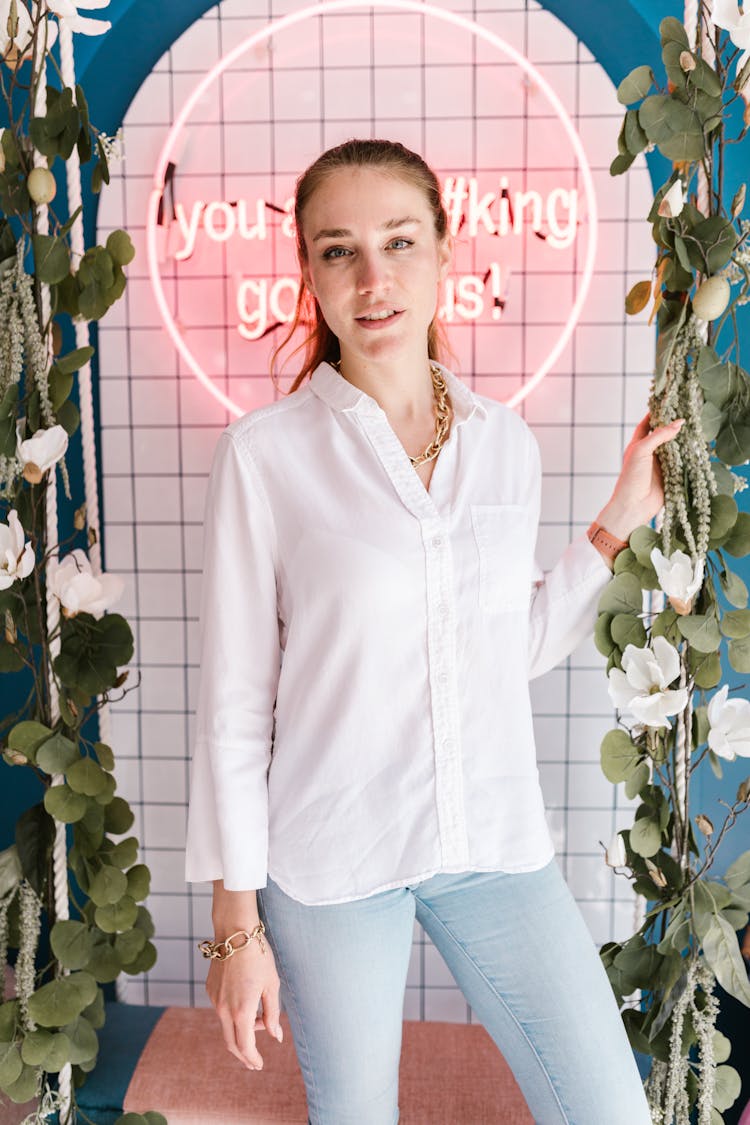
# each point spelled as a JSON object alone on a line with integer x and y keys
{"x": 374, "y": 274}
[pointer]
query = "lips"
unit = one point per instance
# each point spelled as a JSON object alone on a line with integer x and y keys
{"x": 378, "y": 318}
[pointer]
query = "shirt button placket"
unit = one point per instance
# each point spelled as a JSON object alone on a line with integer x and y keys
{"x": 442, "y": 663}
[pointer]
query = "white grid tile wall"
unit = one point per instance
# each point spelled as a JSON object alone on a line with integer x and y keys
{"x": 463, "y": 107}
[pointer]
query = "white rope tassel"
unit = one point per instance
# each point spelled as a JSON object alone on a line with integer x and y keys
{"x": 86, "y": 398}
{"x": 60, "y": 849}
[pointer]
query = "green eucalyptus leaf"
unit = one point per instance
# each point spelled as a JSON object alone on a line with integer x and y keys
{"x": 734, "y": 588}
{"x": 635, "y": 784}
{"x": 84, "y": 1043}
{"x": 72, "y": 943}
{"x": 602, "y": 635}
{"x": 144, "y": 962}
{"x": 145, "y": 922}
{"x": 712, "y": 419}
{"x": 87, "y": 777}
{"x": 89, "y": 830}
{"x": 139, "y": 882}
{"x": 11, "y": 871}
{"x": 635, "y": 85}
{"x": 60, "y": 1001}
{"x": 701, "y": 631}
{"x": 108, "y": 886}
{"x": 720, "y": 382}
{"x": 635, "y": 138}
{"x": 118, "y": 916}
{"x": 154, "y": 1118}
{"x": 35, "y": 834}
{"x": 718, "y": 239}
{"x": 722, "y": 952}
{"x": 735, "y": 623}
{"x": 627, "y": 629}
{"x": 95, "y": 1013}
{"x": 738, "y": 543}
{"x": 654, "y": 116}
{"x": 619, "y": 756}
{"x": 108, "y": 790}
{"x": 642, "y": 542}
{"x": 104, "y": 755}
{"x": 738, "y": 652}
{"x": 129, "y": 944}
{"x": 665, "y": 624}
{"x": 733, "y": 441}
{"x": 727, "y": 1088}
{"x": 56, "y": 754}
{"x": 46, "y": 1049}
{"x": 51, "y": 258}
{"x": 620, "y": 164}
{"x": 723, "y": 478}
{"x": 623, "y": 594}
{"x": 124, "y": 854}
{"x": 104, "y": 965}
{"x": 8, "y": 1020}
{"x": 26, "y": 737}
{"x": 645, "y": 836}
{"x": 120, "y": 247}
{"x": 737, "y": 875}
{"x": 74, "y": 361}
{"x": 673, "y": 30}
{"x": 68, "y": 416}
{"x": 26, "y": 1085}
{"x": 63, "y": 804}
{"x": 118, "y": 817}
{"x": 705, "y": 78}
{"x": 11, "y": 1063}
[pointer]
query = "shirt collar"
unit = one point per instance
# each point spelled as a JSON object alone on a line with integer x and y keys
{"x": 329, "y": 385}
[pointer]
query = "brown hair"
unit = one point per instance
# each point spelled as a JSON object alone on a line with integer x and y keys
{"x": 391, "y": 157}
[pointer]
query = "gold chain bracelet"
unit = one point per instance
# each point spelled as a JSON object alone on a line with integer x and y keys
{"x": 220, "y": 950}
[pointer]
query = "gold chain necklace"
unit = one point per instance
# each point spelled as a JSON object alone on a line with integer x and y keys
{"x": 442, "y": 415}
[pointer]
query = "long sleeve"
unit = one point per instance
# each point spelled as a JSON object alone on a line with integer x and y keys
{"x": 564, "y": 600}
{"x": 239, "y": 670}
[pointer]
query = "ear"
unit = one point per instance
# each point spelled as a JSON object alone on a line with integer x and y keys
{"x": 445, "y": 256}
{"x": 305, "y": 271}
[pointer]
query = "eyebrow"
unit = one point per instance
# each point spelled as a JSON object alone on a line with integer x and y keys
{"x": 342, "y": 232}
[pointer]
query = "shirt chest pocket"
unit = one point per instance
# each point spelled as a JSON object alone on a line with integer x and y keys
{"x": 501, "y": 534}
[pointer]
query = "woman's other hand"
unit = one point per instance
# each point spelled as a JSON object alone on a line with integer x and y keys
{"x": 237, "y": 985}
{"x": 639, "y": 492}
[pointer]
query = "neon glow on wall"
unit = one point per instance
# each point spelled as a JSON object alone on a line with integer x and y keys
{"x": 500, "y": 212}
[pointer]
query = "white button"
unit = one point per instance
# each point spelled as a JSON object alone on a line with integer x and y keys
{"x": 449, "y": 744}
{"x": 443, "y": 609}
{"x": 437, "y": 541}
{"x": 443, "y": 677}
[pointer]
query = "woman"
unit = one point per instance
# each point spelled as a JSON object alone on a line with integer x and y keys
{"x": 371, "y": 616}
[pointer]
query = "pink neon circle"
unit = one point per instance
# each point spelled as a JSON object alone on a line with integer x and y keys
{"x": 336, "y": 6}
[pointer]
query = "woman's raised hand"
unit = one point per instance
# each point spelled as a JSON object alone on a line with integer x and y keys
{"x": 639, "y": 492}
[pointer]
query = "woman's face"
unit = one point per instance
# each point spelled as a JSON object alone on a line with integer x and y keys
{"x": 374, "y": 263}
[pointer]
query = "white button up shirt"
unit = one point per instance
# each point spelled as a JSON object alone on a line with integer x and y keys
{"x": 363, "y": 718}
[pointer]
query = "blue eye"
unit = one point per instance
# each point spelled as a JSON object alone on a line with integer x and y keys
{"x": 404, "y": 242}
{"x": 335, "y": 252}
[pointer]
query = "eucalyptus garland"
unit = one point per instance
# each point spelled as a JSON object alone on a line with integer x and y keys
{"x": 60, "y": 667}
{"x": 674, "y": 605}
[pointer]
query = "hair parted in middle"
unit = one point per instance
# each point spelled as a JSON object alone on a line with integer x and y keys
{"x": 392, "y": 158}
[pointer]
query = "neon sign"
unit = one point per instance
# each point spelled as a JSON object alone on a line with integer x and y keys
{"x": 554, "y": 216}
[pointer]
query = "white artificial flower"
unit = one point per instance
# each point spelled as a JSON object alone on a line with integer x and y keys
{"x": 641, "y": 686}
{"x": 22, "y": 38}
{"x": 729, "y": 721}
{"x": 615, "y": 855}
{"x": 678, "y": 578}
{"x": 672, "y": 201}
{"x": 16, "y": 556}
{"x": 726, "y": 14}
{"x": 80, "y": 590}
{"x": 42, "y": 451}
{"x": 67, "y": 12}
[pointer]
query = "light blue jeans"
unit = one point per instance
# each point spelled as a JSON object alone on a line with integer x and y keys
{"x": 521, "y": 953}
